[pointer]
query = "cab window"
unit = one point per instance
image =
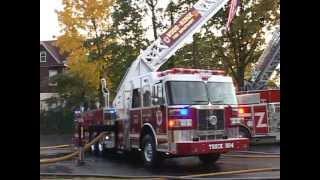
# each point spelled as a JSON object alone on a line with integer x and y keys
{"x": 146, "y": 96}
{"x": 136, "y": 99}
{"x": 157, "y": 94}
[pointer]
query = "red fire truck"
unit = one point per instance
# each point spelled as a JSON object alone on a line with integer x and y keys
{"x": 261, "y": 106}
{"x": 261, "y": 114}
{"x": 172, "y": 113}
{"x": 177, "y": 112}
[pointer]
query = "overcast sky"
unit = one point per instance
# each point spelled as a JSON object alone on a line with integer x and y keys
{"x": 48, "y": 19}
{"x": 49, "y": 26}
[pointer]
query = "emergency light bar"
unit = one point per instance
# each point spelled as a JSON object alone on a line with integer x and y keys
{"x": 179, "y": 112}
{"x": 190, "y": 71}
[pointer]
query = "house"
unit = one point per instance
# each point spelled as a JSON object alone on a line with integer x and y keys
{"x": 52, "y": 62}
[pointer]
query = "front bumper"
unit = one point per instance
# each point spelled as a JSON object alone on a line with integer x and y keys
{"x": 210, "y": 146}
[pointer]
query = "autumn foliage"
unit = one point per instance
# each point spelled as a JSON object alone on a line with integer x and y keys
{"x": 103, "y": 37}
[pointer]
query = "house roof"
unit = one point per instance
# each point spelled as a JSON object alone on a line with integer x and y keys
{"x": 54, "y": 51}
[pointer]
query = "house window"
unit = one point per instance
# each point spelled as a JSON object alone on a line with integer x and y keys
{"x": 43, "y": 56}
{"x": 52, "y": 73}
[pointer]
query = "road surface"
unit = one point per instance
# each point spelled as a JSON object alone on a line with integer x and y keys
{"x": 125, "y": 165}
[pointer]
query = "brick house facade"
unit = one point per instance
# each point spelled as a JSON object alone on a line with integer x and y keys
{"x": 51, "y": 63}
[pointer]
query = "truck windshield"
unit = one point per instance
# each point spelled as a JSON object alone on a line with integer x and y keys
{"x": 198, "y": 92}
{"x": 221, "y": 93}
{"x": 186, "y": 92}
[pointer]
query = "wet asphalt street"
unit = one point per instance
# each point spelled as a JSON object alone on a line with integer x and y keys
{"x": 125, "y": 165}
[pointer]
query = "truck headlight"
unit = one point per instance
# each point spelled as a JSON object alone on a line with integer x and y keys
{"x": 180, "y": 123}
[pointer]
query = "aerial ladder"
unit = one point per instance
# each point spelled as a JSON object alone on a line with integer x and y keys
{"x": 167, "y": 44}
{"x": 255, "y": 96}
{"x": 267, "y": 64}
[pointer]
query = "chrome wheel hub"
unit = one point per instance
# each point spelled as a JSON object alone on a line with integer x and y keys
{"x": 100, "y": 146}
{"x": 92, "y": 148}
{"x": 148, "y": 152}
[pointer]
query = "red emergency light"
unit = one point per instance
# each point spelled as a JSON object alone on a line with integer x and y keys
{"x": 190, "y": 71}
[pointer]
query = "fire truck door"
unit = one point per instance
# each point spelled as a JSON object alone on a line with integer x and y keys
{"x": 126, "y": 122}
{"x": 135, "y": 114}
{"x": 159, "y": 110}
{"x": 147, "y": 110}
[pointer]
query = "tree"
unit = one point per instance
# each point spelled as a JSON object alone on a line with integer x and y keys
{"x": 156, "y": 16}
{"x": 152, "y": 5}
{"x": 129, "y": 33}
{"x": 187, "y": 56}
{"x": 235, "y": 51}
{"x": 194, "y": 49}
{"x": 75, "y": 91}
{"x": 170, "y": 11}
{"x": 127, "y": 26}
{"x": 240, "y": 47}
{"x": 84, "y": 25}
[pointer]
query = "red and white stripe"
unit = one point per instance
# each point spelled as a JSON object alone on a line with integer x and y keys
{"x": 232, "y": 11}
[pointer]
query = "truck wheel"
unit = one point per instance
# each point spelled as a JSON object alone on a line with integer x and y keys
{"x": 149, "y": 154}
{"x": 244, "y": 133}
{"x": 94, "y": 149}
{"x": 209, "y": 158}
{"x": 101, "y": 149}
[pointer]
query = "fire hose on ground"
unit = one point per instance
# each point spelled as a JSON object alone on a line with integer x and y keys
{"x": 193, "y": 176}
{"x": 87, "y": 146}
{"x": 66, "y": 157}
{"x": 265, "y": 154}
{"x": 232, "y": 172}
{"x": 54, "y": 147}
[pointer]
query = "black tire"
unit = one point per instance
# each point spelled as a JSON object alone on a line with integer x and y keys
{"x": 101, "y": 149}
{"x": 149, "y": 154}
{"x": 244, "y": 133}
{"x": 209, "y": 159}
{"x": 94, "y": 147}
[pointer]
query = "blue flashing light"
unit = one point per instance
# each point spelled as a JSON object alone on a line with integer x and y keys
{"x": 111, "y": 110}
{"x": 183, "y": 112}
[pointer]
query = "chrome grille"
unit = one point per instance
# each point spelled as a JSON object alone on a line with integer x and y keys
{"x": 211, "y": 137}
{"x": 203, "y": 122}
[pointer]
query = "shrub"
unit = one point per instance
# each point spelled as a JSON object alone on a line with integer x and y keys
{"x": 56, "y": 121}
